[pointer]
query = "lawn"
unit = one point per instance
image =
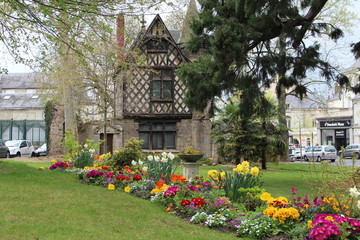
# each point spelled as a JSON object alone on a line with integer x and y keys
{"x": 37, "y": 204}
{"x": 42, "y": 204}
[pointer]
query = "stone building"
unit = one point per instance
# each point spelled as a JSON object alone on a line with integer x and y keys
{"x": 334, "y": 121}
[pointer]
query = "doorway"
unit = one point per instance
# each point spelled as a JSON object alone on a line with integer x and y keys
{"x": 109, "y": 143}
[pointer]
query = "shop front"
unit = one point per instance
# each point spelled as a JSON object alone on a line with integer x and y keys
{"x": 335, "y": 132}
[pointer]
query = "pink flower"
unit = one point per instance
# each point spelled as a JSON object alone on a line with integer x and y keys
{"x": 293, "y": 190}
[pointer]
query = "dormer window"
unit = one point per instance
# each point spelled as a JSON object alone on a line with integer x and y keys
{"x": 35, "y": 97}
{"x": 7, "y": 97}
{"x": 157, "y": 45}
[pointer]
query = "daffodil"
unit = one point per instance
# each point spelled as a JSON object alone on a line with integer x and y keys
{"x": 254, "y": 171}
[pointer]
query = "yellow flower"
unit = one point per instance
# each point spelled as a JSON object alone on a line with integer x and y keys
{"x": 53, "y": 160}
{"x": 108, "y": 155}
{"x": 270, "y": 211}
{"x": 265, "y": 196}
{"x": 329, "y": 218}
{"x": 213, "y": 173}
{"x": 302, "y": 211}
{"x": 127, "y": 189}
{"x": 41, "y": 168}
{"x": 254, "y": 171}
{"x": 306, "y": 206}
{"x": 309, "y": 224}
{"x": 222, "y": 175}
{"x": 111, "y": 186}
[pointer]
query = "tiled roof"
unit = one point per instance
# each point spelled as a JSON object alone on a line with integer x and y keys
{"x": 20, "y": 101}
{"x": 19, "y": 80}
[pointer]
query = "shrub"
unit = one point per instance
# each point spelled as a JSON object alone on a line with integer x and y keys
{"x": 131, "y": 151}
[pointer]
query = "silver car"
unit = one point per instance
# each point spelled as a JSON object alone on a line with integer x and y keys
{"x": 350, "y": 151}
{"x": 319, "y": 153}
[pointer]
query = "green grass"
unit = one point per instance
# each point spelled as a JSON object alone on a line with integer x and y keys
{"x": 37, "y": 204}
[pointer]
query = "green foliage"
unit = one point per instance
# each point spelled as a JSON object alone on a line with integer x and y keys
{"x": 250, "y": 197}
{"x": 48, "y": 120}
{"x": 71, "y": 145}
{"x": 81, "y": 155}
{"x": 85, "y": 158}
{"x": 131, "y": 151}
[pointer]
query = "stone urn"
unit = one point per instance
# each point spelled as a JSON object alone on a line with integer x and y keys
{"x": 190, "y": 157}
{"x": 190, "y": 164}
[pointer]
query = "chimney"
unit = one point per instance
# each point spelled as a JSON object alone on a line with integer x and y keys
{"x": 120, "y": 36}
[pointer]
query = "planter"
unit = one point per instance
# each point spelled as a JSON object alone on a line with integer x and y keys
{"x": 190, "y": 157}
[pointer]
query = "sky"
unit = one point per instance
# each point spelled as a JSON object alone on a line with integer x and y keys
{"x": 340, "y": 52}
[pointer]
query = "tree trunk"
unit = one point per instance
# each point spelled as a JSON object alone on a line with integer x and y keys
{"x": 263, "y": 149}
{"x": 281, "y": 95}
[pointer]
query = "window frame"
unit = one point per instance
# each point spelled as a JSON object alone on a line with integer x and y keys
{"x": 159, "y": 76}
{"x": 151, "y": 131}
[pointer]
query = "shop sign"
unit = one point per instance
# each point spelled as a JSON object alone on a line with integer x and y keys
{"x": 335, "y": 123}
{"x": 339, "y": 133}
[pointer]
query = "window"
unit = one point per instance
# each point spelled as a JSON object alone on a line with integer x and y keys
{"x": 157, "y": 135}
{"x": 288, "y": 122}
{"x": 162, "y": 84}
{"x": 287, "y": 106}
{"x": 157, "y": 45}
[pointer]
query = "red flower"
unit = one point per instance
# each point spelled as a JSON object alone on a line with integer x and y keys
{"x": 121, "y": 178}
{"x": 127, "y": 178}
{"x": 105, "y": 167}
{"x": 198, "y": 202}
{"x": 137, "y": 177}
{"x": 96, "y": 157}
{"x": 185, "y": 202}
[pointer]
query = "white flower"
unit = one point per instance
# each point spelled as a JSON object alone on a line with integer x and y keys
{"x": 354, "y": 192}
{"x": 171, "y": 156}
{"x": 133, "y": 162}
{"x": 85, "y": 146}
{"x": 140, "y": 162}
{"x": 145, "y": 169}
{"x": 164, "y": 154}
{"x": 164, "y": 160}
{"x": 156, "y": 158}
{"x": 358, "y": 204}
{"x": 91, "y": 150}
{"x": 150, "y": 158}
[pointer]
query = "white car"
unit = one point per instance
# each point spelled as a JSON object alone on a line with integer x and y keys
{"x": 20, "y": 148}
{"x": 41, "y": 151}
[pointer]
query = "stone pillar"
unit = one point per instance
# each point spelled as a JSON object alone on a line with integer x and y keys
{"x": 190, "y": 169}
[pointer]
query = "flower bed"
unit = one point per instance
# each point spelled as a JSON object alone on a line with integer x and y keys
{"x": 228, "y": 200}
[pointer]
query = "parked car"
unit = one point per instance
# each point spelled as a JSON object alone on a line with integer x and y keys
{"x": 296, "y": 154}
{"x": 4, "y": 150}
{"x": 41, "y": 151}
{"x": 19, "y": 148}
{"x": 319, "y": 153}
{"x": 351, "y": 150}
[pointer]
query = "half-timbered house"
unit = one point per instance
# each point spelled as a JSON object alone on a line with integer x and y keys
{"x": 151, "y": 97}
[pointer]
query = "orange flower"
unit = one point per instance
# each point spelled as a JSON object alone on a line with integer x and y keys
{"x": 177, "y": 178}
{"x": 216, "y": 179}
{"x": 168, "y": 208}
{"x": 198, "y": 186}
{"x": 217, "y": 187}
{"x": 105, "y": 167}
{"x": 96, "y": 157}
{"x": 159, "y": 184}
